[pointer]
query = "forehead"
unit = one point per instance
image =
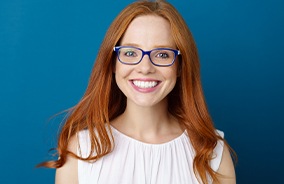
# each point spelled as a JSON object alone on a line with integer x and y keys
{"x": 149, "y": 30}
{"x": 149, "y": 19}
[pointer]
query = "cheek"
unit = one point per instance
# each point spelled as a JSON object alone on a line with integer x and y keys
{"x": 171, "y": 76}
{"x": 118, "y": 79}
{"x": 121, "y": 70}
{"x": 172, "y": 72}
{"x": 118, "y": 68}
{"x": 117, "y": 71}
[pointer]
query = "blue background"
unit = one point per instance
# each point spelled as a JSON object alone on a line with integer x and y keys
{"x": 47, "y": 49}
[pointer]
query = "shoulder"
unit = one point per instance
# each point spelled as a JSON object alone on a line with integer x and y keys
{"x": 68, "y": 172}
{"x": 217, "y": 152}
{"x": 223, "y": 162}
{"x": 226, "y": 168}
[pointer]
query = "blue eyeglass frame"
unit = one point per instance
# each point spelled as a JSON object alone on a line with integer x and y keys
{"x": 176, "y": 52}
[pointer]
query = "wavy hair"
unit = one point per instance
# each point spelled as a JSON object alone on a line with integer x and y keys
{"x": 103, "y": 101}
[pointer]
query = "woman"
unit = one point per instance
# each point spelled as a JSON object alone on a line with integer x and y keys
{"x": 143, "y": 118}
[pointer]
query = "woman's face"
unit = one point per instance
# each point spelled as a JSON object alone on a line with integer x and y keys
{"x": 145, "y": 84}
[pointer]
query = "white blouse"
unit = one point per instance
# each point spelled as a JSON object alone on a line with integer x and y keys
{"x": 136, "y": 162}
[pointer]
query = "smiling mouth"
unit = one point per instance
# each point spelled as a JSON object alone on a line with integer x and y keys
{"x": 145, "y": 84}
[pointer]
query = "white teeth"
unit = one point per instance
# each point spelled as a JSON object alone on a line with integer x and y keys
{"x": 145, "y": 84}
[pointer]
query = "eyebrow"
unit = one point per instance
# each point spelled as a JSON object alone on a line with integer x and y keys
{"x": 155, "y": 46}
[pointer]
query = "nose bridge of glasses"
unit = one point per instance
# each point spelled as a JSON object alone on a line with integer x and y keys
{"x": 146, "y": 53}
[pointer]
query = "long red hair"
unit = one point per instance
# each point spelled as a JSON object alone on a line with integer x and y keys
{"x": 103, "y": 100}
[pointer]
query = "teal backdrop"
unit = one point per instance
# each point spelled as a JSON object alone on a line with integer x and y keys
{"x": 48, "y": 47}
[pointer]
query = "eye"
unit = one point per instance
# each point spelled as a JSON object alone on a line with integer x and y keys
{"x": 162, "y": 55}
{"x": 129, "y": 53}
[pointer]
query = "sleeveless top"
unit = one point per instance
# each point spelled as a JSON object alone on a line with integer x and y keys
{"x": 136, "y": 162}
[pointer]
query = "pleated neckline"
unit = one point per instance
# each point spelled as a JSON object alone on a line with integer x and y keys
{"x": 128, "y": 138}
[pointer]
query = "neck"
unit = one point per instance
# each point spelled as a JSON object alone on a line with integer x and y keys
{"x": 147, "y": 118}
{"x": 147, "y": 123}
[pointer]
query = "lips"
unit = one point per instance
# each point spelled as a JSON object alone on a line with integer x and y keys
{"x": 145, "y": 84}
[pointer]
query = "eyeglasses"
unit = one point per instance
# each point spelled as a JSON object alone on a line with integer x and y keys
{"x": 159, "y": 57}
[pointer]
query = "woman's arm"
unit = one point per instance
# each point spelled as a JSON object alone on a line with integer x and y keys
{"x": 226, "y": 168}
{"x": 68, "y": 173}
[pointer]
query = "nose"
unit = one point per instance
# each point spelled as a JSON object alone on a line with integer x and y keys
{"x": 145, "y": 66}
